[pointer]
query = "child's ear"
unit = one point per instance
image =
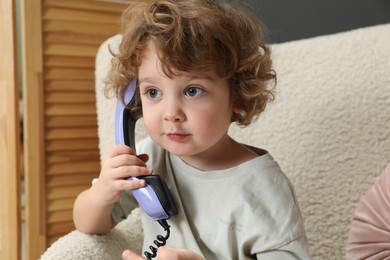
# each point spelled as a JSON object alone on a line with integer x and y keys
{"x": 237, "y": 110}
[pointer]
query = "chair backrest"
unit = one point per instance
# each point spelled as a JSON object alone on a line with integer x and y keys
{"x": 329, "y": 127}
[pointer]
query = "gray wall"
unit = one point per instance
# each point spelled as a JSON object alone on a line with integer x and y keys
{"x": 288, "y": 20}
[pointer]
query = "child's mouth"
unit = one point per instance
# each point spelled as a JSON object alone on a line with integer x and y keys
{"x": 177, "y": 136}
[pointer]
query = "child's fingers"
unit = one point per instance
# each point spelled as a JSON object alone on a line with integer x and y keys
{"x": 120, "y": 149}
{"x": 129, "y": 184}
{"x": 126, "y": 171}
{"x": 125, "y": 159}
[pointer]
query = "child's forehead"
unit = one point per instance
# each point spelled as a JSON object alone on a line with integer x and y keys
{"x": 151, "y": 56}
{"x": 150, "y": 76}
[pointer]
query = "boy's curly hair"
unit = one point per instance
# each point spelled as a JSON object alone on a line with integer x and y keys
{"x": 199, "y": 35}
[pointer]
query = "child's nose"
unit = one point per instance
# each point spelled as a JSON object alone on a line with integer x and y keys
{"x": 174, "y": 113}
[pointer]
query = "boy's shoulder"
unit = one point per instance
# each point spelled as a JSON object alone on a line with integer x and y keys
{"x": 259, "y": 151}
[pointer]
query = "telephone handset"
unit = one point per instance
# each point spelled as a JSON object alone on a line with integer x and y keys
{"x": 155, "y": 197}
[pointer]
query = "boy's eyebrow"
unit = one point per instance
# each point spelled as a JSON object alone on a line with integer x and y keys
{"x": 146, "y": 79}
{"x": 202, "y": 75}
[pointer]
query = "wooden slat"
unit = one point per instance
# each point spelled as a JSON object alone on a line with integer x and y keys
{"x": 74, "y": 156}
{"x": 33, "y": 128}
{"x": 71, "y": 180}
{"x": 69, "y": 62}
{"x": 71, "y": 121}
{"x": 52, "y": 13}
{"x": 60, "y": 228}
{"x": 71, "y": 145}
{"x": 69, "y": 74}
{"x": 59, "y": 216}
{"x": 60, "y": 204}
{"x": 73, "y": 168}
{"x": 104, "y": 6}
{"x": 80, "y": 27}
{"x": 70, "y": 85}
{"x": 71, "y": 50}
{"x": 53, "y": 239}
{"x": 69, "y": 98}
{"x": 65, "y": 109}
{"x": 10, "y": 213}
{"x": 65, "y": 192}
{"x": 74, "y": 38}
{"x": 70, "y": 133}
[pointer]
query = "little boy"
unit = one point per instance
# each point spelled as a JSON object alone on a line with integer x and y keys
{"x": 200, "y": 65}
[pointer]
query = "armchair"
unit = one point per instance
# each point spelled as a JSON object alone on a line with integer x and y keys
{"x": 329, "y": 128}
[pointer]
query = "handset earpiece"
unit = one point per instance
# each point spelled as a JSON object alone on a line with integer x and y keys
{"x": 155, "y": 197}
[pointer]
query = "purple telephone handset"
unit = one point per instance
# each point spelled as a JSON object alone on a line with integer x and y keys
{"x": 154, "y": 198}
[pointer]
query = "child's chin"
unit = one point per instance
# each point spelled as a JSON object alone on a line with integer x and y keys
{"x": 177, "y": 152}
{"x": 177, "y": 149}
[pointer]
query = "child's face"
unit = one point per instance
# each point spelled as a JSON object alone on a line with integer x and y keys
{"x": 188, "y": 115}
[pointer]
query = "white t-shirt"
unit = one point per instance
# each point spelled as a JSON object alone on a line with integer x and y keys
{"x": 246, "y": 212}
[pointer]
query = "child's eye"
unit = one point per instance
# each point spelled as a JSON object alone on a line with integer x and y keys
{"x": 154, "y": 93}
{"x": 193, "y": 91}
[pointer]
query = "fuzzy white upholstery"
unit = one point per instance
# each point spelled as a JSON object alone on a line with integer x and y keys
{"x": 76, "y": 245}
{"x": 329, "y": 128}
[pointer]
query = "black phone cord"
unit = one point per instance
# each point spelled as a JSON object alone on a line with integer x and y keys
{"x": 160, "y": 240}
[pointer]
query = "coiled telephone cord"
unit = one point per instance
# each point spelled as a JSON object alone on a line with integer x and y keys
{"x": 160, "y": 240}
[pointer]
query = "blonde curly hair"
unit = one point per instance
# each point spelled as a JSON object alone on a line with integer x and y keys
{"x": 196, "y": 35}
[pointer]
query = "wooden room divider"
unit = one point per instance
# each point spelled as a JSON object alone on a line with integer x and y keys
{"x": 60, "y": 40}
{"x": 10, "y": 244}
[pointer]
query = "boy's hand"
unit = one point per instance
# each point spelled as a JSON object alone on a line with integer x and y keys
{"x": 121, "y": 163}
{"x": 165, "y": 253}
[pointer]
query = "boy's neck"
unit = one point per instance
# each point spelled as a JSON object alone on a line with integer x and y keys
{"x": 229, "y": 155}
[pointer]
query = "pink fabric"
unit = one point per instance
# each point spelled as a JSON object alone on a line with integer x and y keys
{"x": 369, "y": 236}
